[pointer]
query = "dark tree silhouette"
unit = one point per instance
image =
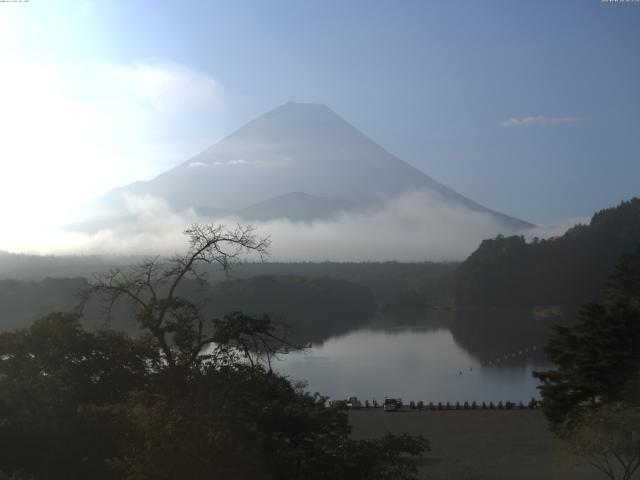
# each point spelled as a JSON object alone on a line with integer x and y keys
{"x": 152, "y": 288}
{"x": 570, "y": 270}
{"x": 598, "y": 359}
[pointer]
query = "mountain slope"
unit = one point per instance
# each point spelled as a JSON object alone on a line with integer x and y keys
{"x": 570, "y": 270}
{"x": 297, "y": 147}
{"x": 297, "y": 207}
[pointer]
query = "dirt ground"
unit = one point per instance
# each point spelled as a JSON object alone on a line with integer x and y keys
{"x": 478, "y": 444}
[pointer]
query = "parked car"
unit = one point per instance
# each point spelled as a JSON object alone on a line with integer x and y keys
{"x": 392, "y": 404}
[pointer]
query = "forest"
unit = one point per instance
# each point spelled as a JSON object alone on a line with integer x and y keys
{"x": 567, "y": 270}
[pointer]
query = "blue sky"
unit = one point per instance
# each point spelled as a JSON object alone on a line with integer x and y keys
{"x": 530, "y": 108}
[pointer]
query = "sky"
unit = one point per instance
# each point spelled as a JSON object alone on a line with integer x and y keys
{"x": 529, "y": 108}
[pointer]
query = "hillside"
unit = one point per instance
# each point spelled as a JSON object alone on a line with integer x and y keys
{"x": 297, "y": 207}
{"x": 567, "y": 270}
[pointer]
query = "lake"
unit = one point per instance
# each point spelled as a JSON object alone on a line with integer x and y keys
{"x": 413, "y": 363}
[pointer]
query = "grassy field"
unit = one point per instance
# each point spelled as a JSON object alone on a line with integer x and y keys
{"x": 478, "y": 444}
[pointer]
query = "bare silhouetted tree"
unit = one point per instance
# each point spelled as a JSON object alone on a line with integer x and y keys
{"x": 151, "y": 288}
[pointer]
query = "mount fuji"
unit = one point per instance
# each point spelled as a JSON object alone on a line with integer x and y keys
{"x": 300, "y": 162}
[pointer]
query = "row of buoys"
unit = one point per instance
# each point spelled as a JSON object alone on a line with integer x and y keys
{"x": 511, "y": 356}
{"x": 533, "y": 403}
{"x": 440, "y": 406}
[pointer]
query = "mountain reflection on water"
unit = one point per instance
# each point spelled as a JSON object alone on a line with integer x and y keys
{"x": 447, "y": 358}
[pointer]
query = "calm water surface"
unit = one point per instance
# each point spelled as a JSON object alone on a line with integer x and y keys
{"x": 411, "y": 363}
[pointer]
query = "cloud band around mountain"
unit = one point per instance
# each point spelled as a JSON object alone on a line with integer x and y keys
{"x": 414, "y": 226}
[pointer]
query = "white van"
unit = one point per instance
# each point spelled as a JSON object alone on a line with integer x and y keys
{"x": 392, "y": 404}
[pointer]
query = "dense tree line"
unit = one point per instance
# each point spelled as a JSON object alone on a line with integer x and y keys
{"x": 384, "y": 279}
{"x": 343, "y": 295}
{"x": 21, "y": 302}
{"x": 567, "y": 270}
{"x": 315, "y": 308}
{"x": 29, "y": 267}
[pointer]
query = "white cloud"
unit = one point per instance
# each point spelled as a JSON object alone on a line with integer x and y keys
{"x": 170, "y": 87}
{"x": 217, "y": 163}
{"x": 416, "y": 226}
{"x": 538, "y": 120}
{"x": 156, "y": 229}
{"x": 231, "y": 162}
{"x": 72, "y": 131}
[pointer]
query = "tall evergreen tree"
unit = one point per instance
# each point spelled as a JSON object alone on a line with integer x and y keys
{"x": 598, "y": 359}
